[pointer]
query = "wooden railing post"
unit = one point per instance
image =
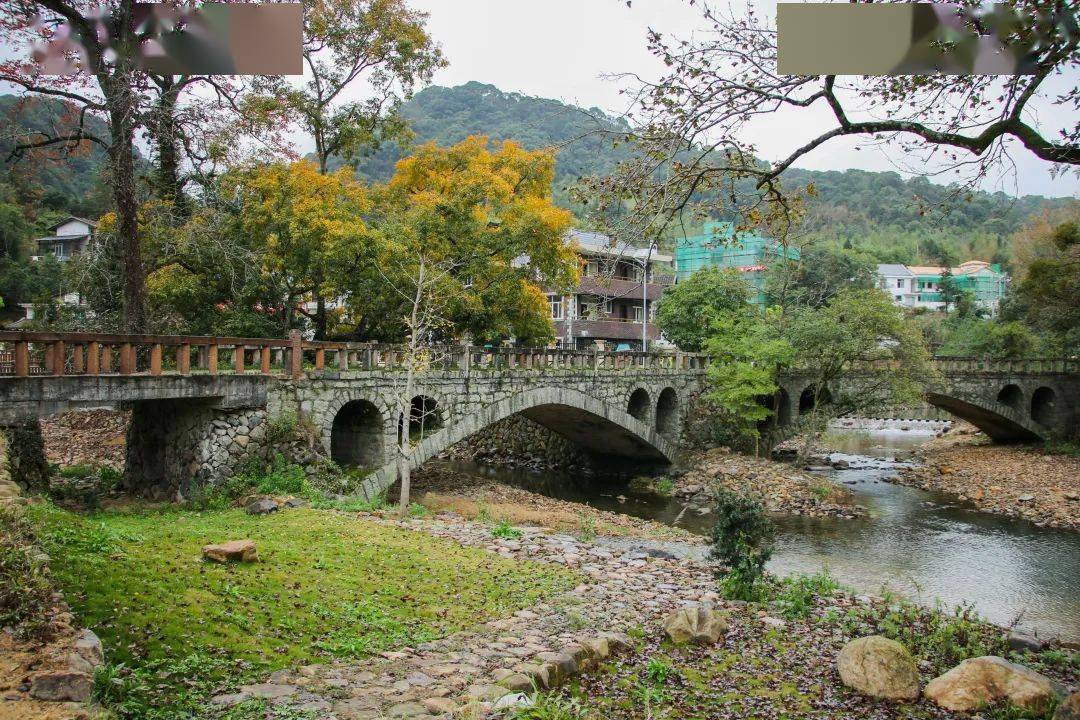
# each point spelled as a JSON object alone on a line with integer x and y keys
{"x": 320, "y": 359}
{"x": 343, "y": 359}
{"x": 211, "y": 358}
{"x": 106, "y": 359}
{"x": 183, "y": 359}
{"x": 93, "y": 358}
{"x": 127, "y": 357}
{"x": 22, "y": 358}
{"x": 58, "y": 353}
{"x": 238, "y": 359}
{"x": 264, "y": 360}
{"x": 296, "y": 355}
{"x": 77, "y": 358}
{"x": 155, "y": 359}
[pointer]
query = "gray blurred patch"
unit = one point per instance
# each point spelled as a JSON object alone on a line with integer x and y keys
{"x": 216, "y": 39}
{"x": 914, "y": 38}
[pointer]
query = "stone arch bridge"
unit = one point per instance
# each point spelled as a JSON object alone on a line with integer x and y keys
{"x": 1010, "y": 400}
{"x": 202, "y": 406}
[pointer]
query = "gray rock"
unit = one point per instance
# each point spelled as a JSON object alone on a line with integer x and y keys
{"x": 229, "y": 700}
{"x": 269, "y": 691}
{"x": 62, "y": 687}
{"x": 880, "y": 668}
{"x": 296, "y": 502}
{"x": 262, "y": 507}
{"x": 701, "y": 624}
{"x": 1020, "y": 642}
{"x": 89, "y": 647}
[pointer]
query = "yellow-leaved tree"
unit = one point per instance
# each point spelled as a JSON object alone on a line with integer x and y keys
{"x": 306, "y": 221}
{"x": 471, "y": 236}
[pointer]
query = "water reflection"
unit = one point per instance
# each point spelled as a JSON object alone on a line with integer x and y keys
{"x": 925, "y": 545}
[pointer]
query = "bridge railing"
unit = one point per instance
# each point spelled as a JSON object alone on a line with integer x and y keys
{"x": 35, "y": 354}
{"x": 1007, "y": 365}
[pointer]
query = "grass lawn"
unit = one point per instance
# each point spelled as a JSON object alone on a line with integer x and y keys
{"x": 328, "y": 585}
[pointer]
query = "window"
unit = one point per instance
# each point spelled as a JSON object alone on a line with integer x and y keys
{"x": 900, "y": 283}
{"x": 591, "y": 268}
{"x": 58, "y": 250}
{"x": 638, "y": 314}
{"x": 555, "y": 303}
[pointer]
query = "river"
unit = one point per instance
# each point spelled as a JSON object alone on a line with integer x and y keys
{"x": 926, "y": 546}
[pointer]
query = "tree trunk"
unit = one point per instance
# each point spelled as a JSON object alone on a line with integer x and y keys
{"x": 404, "y": 446}
{"x": 163, "y": 127}
{"x": 320, "y": 318}
{"x": 120, "y": 101}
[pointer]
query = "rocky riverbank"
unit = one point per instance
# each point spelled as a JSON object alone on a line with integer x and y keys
{"x": 782, "y": 488}
{"x": 471, "y": 496}
{"x": 779, "y": 656}
{"x": 1017, "y": 481}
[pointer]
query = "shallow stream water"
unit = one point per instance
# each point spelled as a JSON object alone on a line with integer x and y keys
{"x": 923, "y": 545}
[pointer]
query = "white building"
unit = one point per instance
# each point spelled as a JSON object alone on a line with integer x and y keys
{"x": 899, "y": 282}
{"x": 70, "y": 237}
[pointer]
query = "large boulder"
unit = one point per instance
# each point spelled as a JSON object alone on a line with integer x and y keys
{"x": 990, "y": 679}
{"x": 232, "y": 551}
{"x": 62, "y": 687}
{"x": 701, "y": 624}
{"x": 1069, "y": 709}
{"x": 879, "y": 667}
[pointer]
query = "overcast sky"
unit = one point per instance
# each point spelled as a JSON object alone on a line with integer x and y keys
{"x": 567, "y": 49}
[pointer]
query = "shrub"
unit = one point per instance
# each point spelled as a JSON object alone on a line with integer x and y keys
{"x": 796, "y": 595}
{"x": 26, "y": 587}
{"x": 505, "y": 530}
{"x": 742, "y": 540}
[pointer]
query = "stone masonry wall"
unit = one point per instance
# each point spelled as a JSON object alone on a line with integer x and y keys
{"x": 519, "y": 441}
{"x": 24, "y": 458}
{"x": 174, "y": 446}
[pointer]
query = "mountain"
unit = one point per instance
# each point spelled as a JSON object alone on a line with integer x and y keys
{"x": 54, "y": 178}
{"x": 880, "y": 212}
{"x": 449, "y": 115}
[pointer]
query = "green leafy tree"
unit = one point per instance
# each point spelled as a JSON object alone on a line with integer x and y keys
{"x": 687, "y": 312}
{"x": 859, "y": 330}
{"x": 746, "y": 352}
{"x": 1048, "y": 291}
{"x": 816, "y": 278}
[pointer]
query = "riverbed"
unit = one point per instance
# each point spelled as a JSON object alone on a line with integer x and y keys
{"x": 923, "y": 545}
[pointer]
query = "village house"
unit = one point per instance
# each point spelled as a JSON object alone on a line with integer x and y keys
{"x": 70, "y": 237}
{"x": 613, "y": 305}
{"x": 920, "y": 286}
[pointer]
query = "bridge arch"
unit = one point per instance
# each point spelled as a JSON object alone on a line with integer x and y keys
{"x": 357, "y": 434}
{"x": 1011, "y": 395}
{"x": 605, "y": 428}
{"x": 1043, "y": 402}
{"x": 667, "y": 412}
{"x": 426, "y": 415}
{"x": 639, "y": 404}
{"x": 807, "y": 398}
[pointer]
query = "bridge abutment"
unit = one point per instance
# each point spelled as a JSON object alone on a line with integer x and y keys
{"x": 182, "y": 445}
{"x": 22, "y": 456}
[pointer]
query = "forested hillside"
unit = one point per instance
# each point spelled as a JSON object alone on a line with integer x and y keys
{"x": 880, "y": 212}
{"x": 52, "y": 179}
{"x": 894, "y": 219}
